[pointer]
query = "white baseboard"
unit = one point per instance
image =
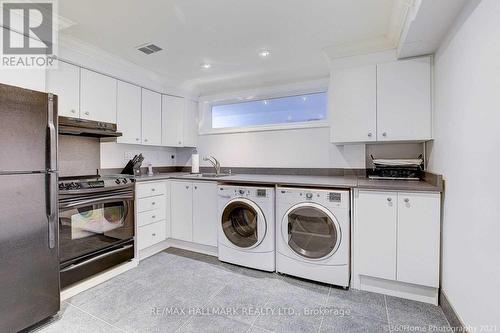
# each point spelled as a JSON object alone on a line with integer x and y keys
{"x": 152, "y": 250}
{"x": 398, "y": 289}
{"x": 200, "y": 248}
{"x": 93, "y": 281}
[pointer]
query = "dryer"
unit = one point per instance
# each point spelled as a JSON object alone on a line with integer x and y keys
{"x": 313, "y": 234}
{"x": 246, "y": 231}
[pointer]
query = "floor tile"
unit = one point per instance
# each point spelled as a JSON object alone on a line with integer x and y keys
{"x": 359, "y": 302}
{"x": 216, "y": 324}
{"x": 411, "y": 315}
{"x": 243, "y": 302}
{"x": 71, "y": 319}
{"x": 290, "y": 287}
{"x": 352, "y": 323}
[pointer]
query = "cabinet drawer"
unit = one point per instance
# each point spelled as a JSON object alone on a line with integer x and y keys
{"x": 150, "y": 189}
{"x": 150, "y": 216}
{"x": 146, "y": 204}
{"x": 151, "y": 234}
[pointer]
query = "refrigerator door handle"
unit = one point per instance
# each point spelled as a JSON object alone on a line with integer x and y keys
{"x": 52, "y": 215}
{"x": 52, "y": 146}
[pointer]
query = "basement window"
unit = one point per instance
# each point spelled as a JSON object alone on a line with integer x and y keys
{"x": 301, "y": 110}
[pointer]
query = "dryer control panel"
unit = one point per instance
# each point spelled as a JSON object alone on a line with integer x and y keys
{"x": 329, "y": 198}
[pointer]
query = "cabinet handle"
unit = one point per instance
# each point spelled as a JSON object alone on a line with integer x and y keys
{"x": 154, "y": 234}
{"x": 153, "y": 189}
{"x": 153, "y": 217}
{"x": 73, "y": 111}
{"x": 153, "y": 203}
{"x": 136, "y": 139}
{"x": 196, "y": 187}
{"x": 389, "y": 199}
{"x": 180, "y": 142}
{"x": 407, "y": 200}
{"x": 370, "y": 135}
{"x": 187, "y": 187}
{"x": 87, "y": 113}
{"x": 145, "y": 140}
{"x": 384, "y": 134}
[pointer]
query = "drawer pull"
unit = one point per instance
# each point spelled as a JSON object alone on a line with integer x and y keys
{"x": 153, "y": 203}
{"x": 154, "y": 216}
{"x": 407, "y": 200}
{"x": 154, "y": 234}
{"x": 153, "y": 189}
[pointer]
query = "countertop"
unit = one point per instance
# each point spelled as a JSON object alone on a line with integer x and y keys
{"x": 302, "y": 180}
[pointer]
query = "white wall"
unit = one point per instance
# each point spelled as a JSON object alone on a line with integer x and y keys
{"x": 116, "y": 155}
{"x": 466, "y": 151}
{"x": 297, "y": 148}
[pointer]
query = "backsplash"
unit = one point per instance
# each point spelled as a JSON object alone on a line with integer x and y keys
{"x": 78, "y": 155}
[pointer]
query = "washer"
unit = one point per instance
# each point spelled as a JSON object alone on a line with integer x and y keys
{"x": 246, "y": 231}
{"x": 313, "y": 234}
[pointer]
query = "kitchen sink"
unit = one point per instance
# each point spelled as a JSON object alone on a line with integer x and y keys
{"x": 207, "y": 175}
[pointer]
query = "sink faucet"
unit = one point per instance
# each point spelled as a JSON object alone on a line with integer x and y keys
{"x": 214, "y": 162}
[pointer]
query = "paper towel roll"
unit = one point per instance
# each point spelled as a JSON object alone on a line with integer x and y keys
{"x": 195, "y": 163}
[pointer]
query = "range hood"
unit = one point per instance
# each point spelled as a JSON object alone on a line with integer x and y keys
{"x": 82, "y": 127}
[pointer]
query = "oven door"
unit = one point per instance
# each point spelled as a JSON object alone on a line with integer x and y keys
{"x": 90, "y": 223}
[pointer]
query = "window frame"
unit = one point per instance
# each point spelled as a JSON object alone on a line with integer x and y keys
{"x": 309, "y": 87}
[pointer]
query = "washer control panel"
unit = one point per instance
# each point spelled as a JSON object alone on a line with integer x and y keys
{"x": 246, "y": 192}
{"x": 332, "y": 198}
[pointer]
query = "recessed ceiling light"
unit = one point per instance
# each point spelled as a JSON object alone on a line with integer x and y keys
{"x": 264, "y": 53}
{"x": 206, "y": 65}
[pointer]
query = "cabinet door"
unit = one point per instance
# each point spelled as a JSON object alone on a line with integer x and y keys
{"x": 353, "y": 104}
{"x": 98, "y": 97}
{"x": 205, "y": 213}
{"x": 418, "y": 238}
{"x": 404, "y": 100}
{"x": 375, "y": 234}
{"x": 172, "y": 120}
{"x": 128, "y": 115}
{"x": 151, "y": 118}
{"x": 65, "y": 83}
{"x": 190, "y": 123}
{"x": 181, "y": 211}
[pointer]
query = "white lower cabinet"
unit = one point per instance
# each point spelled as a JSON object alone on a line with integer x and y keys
{"x": 153, "y": 213}
{"x": 194, "y": 212}
{"x": 182, "y": 210}
{"x": 205, "y": 213}
{"x": 397, "y": 242}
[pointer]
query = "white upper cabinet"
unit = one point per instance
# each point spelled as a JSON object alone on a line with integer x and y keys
{"x": 128, "y": 115}
{"x": 384, "y": 102}
{"x": 98, "y": 97}
{"x": 65, "y": 83}
{"x": 151, "y": 118}
{"x": 353, "y": 105}
{"x": 404, "y": 100}
{"x": 173, "y": 109}
{"x": 190, "y": 120}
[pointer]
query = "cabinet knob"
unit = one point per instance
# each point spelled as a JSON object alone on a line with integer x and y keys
{"x": 370, "y": 135}
{"x": 73, "y": 111}
{"x": 153, "y": 189}
{"x": 196, "y": 187}
{"x": 180, "y": 142}
{"x": 136, "y": 139}
{"x": 187, "y": 187}
{"x": 145, "y": 140}
{"x": 153, "y": 203}
{"x": 384, "y": 134}
{"x": 87, "y": 113}
{"x": 407, "y": 200}
{"x": 153, "y": 217}
{"x": 389, "y": 199}
{"x": 154, "y": 234}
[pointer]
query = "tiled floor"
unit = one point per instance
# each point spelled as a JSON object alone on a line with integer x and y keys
{"x": 180, "y": 291}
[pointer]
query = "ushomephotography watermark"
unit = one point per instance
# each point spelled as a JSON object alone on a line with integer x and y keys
{"x": 29, "y": 34}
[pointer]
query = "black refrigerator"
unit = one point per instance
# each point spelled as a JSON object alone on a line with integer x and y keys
{"x": 29, "y": 265}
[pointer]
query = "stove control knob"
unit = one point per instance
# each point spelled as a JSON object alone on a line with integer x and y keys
{"x": 242, "y": 192}
{"x": 124, "y": 181}
{"x": 117, "y": 181}
{"x": 309, "y": 195}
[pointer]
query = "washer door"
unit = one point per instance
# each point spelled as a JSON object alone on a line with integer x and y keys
{"x": 243, "y": 223}
{"x": 311, "y": 231}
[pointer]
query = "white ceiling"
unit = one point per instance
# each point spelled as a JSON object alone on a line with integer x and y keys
{"x": 229, "y": 33}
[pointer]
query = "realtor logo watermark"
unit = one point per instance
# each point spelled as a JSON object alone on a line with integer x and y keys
{"x": 29, "y": 34}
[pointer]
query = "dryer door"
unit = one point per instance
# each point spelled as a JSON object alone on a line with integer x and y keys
{"x": 311, "y": 231}
{"x": 243, "y": 223}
